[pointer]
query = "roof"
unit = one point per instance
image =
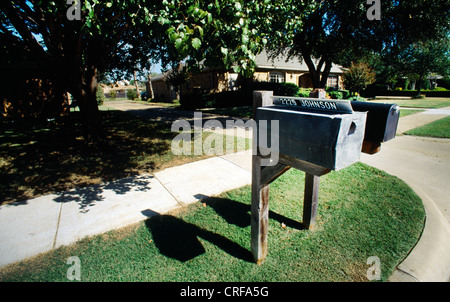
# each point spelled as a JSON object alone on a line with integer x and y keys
{"x": 282, "y": 62}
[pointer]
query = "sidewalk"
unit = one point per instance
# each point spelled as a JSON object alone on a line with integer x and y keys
{"x": 424, "y": 164}
{"x": 416, "y": 120}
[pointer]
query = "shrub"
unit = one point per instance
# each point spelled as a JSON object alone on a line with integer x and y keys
{"x": 444, "y": 82}
{"x": 281, "y": 89}
{"x": 131, "y": 94}
{"x": 112, "y": 94}
{"x": 337, "y": 95}
{"x": 100, "y": 95}
{"x": 304, "y": 92}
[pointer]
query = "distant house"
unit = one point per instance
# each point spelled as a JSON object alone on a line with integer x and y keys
{"x": 211, "y": 80}
{"x": 119, "y": 88}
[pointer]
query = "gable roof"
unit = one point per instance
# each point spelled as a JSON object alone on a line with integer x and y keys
{"x": 282, "y": 62}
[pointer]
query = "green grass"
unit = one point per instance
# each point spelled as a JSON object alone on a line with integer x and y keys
{"x": 439, "y": 128}
{"x": 49, "y": 157}
{"x": 406, "y": 112}
{"x": 362, "y": 212}
{"x": 242, "y": 112}
{"x": 416, "y": 103}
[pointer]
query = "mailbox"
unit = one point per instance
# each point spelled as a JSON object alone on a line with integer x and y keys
{"x": 381, "y": 124}
{"x": 315, "y": 136}
{"x": 326, "y": 133}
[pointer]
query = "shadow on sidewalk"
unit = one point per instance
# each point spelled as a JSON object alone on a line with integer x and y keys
{"x": 90, "y": 195}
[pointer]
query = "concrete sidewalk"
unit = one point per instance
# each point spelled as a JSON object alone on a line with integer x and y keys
{"x": 419, "y": 119}
{"x": 35, "y": 226}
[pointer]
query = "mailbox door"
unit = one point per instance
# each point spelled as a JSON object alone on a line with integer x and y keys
{"x": 382, "y": 120}
{"x": 332, "y": 141}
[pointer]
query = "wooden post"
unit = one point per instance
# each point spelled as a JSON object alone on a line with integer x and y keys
{"x": 260, "y": 99}
{"x": 311, "y": 200}
{"x": 259, "y": 212}
{"x": 260, "y": 189}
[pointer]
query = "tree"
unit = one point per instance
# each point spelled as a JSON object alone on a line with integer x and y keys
{"x": 75, "y": 44}
{"x": 421, "y": 58}
{"x": 222, "y": 34}
{"x": 334, "y": 31}
{"x": 75, "y": 48}
{"x": 358, "y": 77}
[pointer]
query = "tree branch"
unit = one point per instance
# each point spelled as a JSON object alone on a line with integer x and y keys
{"x": 20, "y": 25}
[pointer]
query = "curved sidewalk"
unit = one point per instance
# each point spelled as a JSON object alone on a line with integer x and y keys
{"x": 424, "y": 164}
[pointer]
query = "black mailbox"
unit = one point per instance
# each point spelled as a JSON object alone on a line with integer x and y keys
{"x": 381, "y": 123}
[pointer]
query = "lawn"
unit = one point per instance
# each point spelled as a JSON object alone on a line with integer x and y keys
{"x": 406, "y": 112}
{"x": 439, "y": 128}
{"x": 416, "y": 103}
{"x": 363, "y": 212}
{"x": 38, "y": 158}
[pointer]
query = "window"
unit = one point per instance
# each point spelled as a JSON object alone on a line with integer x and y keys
{"x": 276, "y": 77}
{"x": 232, "y": 81}
{"x": 332, "y": 81}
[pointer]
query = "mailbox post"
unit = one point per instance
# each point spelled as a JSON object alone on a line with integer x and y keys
{"x": 315, "y": 136}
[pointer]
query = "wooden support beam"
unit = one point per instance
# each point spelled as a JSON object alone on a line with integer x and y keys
{"x": 270, "y": 173}
{"x": 311, "y": 200}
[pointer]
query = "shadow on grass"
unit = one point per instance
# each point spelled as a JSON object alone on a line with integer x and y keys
{"x": 42, "y": 158}
{"x": 178, "y": 239}
{"x": 238, "y": 213}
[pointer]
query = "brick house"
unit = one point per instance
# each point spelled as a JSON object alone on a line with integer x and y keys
{"x": 211, "y": 80}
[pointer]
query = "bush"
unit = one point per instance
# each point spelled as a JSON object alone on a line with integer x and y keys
{"x": 224, "y": 99}
{"x": 132, "y": 94}
{"x": 112, "y": 94}
{"x": 304, "y": 92}
{"x": 281, "y": 89}
{"x": 100, "y": 95}
{"x": 337, "y": 95}
{"x": 444, "y": 82}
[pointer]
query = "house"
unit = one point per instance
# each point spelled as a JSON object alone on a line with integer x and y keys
{"x": 211, "y": 80}
{"x": 120, "y": 89}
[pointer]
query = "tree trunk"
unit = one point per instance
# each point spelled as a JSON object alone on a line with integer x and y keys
{"x": 325, "y": 74}
{"x": 150, "y": 87}
{"x": 419, "y": 84}
{"x": 136, "y": 85}
{"x": 318, "y": 78}
{"x": 86, "y": 95}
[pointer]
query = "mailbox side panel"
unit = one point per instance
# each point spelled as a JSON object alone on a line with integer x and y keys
{"x": 350, "y": 139}
{"x": 316, "y": 138}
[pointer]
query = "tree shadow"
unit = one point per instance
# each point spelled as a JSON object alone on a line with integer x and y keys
{"x": 40, "y": 159}
{"x": 90, "y": 195}
{"x": 178, "y": 239}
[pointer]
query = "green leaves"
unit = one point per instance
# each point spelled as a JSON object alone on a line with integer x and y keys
{"x": 196, "y": 43}
{"x": 219, "y": 33}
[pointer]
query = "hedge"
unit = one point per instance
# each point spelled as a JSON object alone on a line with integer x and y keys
{"x": 407, "y": 93}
